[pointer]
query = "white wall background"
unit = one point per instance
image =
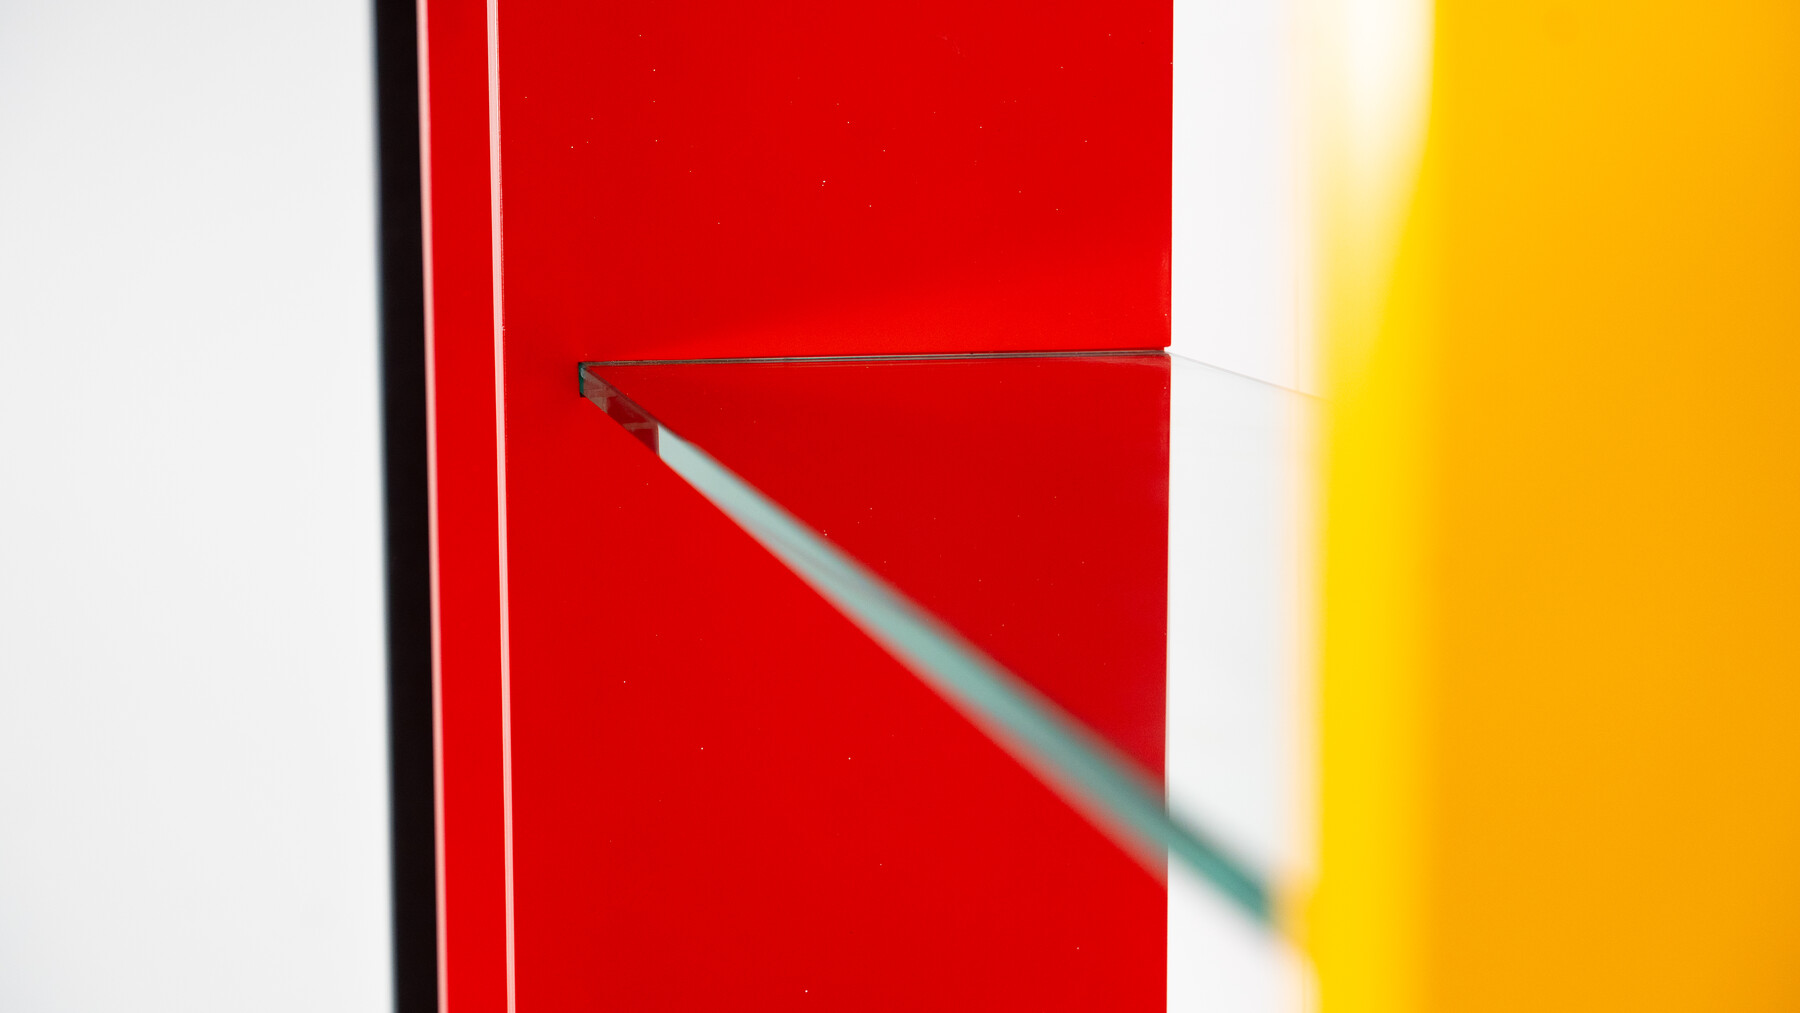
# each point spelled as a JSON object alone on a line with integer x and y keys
{"x": 1239, "y": 248}
{"x": 192, "y": 751}
{"x": 1238, "y": 753}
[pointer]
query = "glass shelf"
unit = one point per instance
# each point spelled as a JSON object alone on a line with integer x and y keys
{"x": 1093, "y": 557}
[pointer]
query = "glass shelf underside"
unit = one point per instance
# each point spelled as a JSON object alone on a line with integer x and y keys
{"x": 1092, "y": 557}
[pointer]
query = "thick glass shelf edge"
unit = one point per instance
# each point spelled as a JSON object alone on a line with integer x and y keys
{"x": 1058, "y": 748}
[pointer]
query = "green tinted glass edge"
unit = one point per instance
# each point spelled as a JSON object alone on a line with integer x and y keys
{"x": 1056, "y": 747}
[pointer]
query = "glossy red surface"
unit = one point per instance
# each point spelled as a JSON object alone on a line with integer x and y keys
{"x": 1023, "y": 500}
{"x": 844, "y": 837}
{"x": 727, "y": 796}
{"x": 812, "y": 176}
{"x": 465, "y": 531}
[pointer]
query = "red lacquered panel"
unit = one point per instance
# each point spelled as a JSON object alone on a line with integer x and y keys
{"x": 728, "y": 178}
{"x": 465, "y": 528}
{"x": 1022, "y": 500}
{"x": 725, "y": 795}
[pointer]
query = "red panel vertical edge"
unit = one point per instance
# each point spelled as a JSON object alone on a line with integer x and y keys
{"x": 465, "y": 525}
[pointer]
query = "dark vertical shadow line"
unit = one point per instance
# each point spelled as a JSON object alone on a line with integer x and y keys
{"x": 406, "y": 506}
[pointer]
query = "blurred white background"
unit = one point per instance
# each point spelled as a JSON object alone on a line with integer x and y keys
{"x": 1238, "y": 278}
{"x": 193, "y": 810}
{"x": 1237, "y": 744}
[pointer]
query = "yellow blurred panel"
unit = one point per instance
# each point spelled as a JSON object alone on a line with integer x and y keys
{"x": 1561, "y": 695}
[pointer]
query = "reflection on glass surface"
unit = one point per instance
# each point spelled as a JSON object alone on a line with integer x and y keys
{"x": 1238, "y": 714}
{"x": 1016, "y": 530}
